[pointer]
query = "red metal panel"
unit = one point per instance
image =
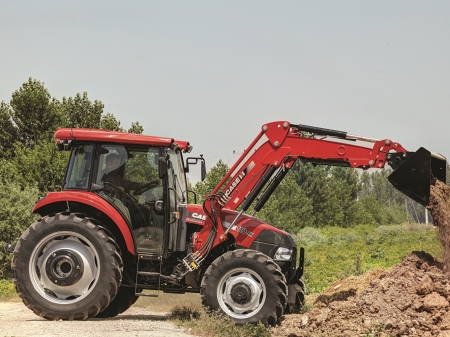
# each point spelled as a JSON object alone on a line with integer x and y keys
{"x": 96, "y": 135}
{"x": 95, "y": 201}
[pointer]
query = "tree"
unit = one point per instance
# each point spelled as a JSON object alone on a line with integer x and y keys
{"x": 288, "y": 208}
{"x": 8, "y": 133}
{"x": 325, "y": 193}
{"x": 80, "y": 112}
{"x": 213, "y": 177}
{"x": 42, "y": 166}
{"x": 33, "y": 114}
{"x": 384, "y": 203}
{"x": 15, "y": 216}
{"x": 136, "y": 128}
{"x": 109, "y": 122}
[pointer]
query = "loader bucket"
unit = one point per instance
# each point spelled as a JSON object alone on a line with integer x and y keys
{"x": 414, "y": 173}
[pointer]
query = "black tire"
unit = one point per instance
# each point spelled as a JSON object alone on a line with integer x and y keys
{"x": 124, "y": 299}
{"x": 66, "y": 267}
{"x": 232, "y": 281}
{"x": 296, "y": 297}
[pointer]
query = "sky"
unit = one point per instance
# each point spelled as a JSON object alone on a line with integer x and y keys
{"x": 213, "y": 72}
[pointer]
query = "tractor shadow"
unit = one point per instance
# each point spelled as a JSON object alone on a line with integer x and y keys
{"x": 140, "y": 317}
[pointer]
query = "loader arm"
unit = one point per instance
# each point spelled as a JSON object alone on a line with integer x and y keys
{"x": 279, "y": 144}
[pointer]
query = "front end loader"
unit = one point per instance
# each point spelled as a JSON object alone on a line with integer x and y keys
{"x": 125, "y": 222}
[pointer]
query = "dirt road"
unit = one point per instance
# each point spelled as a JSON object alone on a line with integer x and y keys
{"x": 16, "y": 320}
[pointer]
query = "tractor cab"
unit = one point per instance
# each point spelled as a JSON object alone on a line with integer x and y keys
{"x": 146, "y": 184}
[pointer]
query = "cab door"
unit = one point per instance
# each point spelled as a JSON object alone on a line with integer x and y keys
{"x": 176, "y": 199}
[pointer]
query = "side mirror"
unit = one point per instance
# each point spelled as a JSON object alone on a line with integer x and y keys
{"x": 194, "y": 161}
{"x": 203, "y": 170}
{"x": 162, "y": 167}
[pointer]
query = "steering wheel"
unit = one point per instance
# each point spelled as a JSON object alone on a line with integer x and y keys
{"x": 127, "y": 196}
{"x": 145, "y": 187}
{"x": 120, "y": 192}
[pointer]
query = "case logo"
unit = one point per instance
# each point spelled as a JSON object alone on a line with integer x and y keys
{"x": 199, "y": 216}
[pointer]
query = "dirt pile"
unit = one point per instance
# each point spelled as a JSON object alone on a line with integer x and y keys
{"x": 412, "y": 299}
{"x": 440, "y": 211}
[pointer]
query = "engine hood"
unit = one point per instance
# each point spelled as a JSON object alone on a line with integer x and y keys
{"x": 246, "y": 230}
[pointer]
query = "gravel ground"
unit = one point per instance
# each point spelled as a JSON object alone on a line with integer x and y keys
{"x": 17, "y": 320}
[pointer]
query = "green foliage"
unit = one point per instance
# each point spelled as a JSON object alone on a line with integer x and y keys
{"x": 332, "y": 190}
{"x": 7, "y": 289}
{"x": 41, "y": 165}
{"x": 309, "y": 236}
{"x": 15, "y": 216}
{"x": 333, "y": 253}
{"x": 288, "y": 208}
{"x": 80, "y": 112}
{"x": 213, "y": 177}
{"x": 185, "y": 313}
{"x": 109, "y": 122}
{"x": 8, "y": 133}
{"x": 217, "y": 325}
{"x": 136, "y": 128}
{"x": 34, "y": 113}
{"x": 138, "y": 168}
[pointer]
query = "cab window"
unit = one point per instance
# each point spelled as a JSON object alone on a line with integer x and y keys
{"x": 79, "y": 168}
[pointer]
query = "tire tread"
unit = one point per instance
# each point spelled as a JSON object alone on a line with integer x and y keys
{"x": 110, "y": 289}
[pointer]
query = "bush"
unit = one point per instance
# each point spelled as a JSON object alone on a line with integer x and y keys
{"x": 185, "y": 313}
{"x": 214, "y": 324}
{"x": 309, "y": 236}
{"x": 15, "y": 216}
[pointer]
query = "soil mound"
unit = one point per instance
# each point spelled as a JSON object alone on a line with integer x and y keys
{"x": 440, "y": 211}
{"x": 412, "y": 299}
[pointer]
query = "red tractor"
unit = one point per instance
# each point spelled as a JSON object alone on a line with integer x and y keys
{"x": 123, "y": 222}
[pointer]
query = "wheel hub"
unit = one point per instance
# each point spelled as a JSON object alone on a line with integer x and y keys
{"x": 64, "y": 267}
{"x": 241, "y": 293}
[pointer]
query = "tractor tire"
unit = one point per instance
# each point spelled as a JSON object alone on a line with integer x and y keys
{"x": 296, "y": 297}
{"x": 124, "y": 299}
{"x": 245, "y": 285}
{"x": 66, "y": 267}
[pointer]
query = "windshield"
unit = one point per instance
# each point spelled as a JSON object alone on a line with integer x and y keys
{"x": 127, "y": 167}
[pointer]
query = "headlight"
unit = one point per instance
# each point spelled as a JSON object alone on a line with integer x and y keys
{"x": 283, "y": 254}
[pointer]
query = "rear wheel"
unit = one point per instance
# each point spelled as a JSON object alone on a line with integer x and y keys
{"x": 124, "y": 299}
{"x": 66, "y": 267}
{"x": 247, "y": 286}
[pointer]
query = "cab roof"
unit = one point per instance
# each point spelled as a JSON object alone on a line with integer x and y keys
{"x": 105, "y": 136}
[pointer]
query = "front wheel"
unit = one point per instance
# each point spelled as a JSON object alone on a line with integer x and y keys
{"x": 247, "y": 286}
{"x": 66, "y": 267}
{"x": 296, "y": 297}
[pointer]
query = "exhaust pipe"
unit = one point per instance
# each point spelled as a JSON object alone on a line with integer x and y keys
{"x": 414, "y": 172}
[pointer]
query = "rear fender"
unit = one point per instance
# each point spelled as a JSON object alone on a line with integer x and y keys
{"x": 91, "y": 200}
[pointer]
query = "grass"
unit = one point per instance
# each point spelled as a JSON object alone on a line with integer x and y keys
{"x": 214, "y": 325}
{"x": 7, "y": 291}
{"x": 332, "y": 253}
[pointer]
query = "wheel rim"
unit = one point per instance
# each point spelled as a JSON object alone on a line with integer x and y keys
{"x": 64, "y": 267}
{"x": 241, "y": 293}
